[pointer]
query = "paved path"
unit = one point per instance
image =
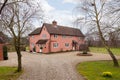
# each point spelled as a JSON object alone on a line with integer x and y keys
{"x": 51, "y": 67}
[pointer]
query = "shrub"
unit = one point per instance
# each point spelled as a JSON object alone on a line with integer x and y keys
{"x": 107, "y": 74}
{"x": 83, "y": 47}
{"x": 27, "y": 48}
{"x": 5, "y": 53}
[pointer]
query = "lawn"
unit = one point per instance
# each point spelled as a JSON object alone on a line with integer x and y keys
{"x": 8, "y": 73}
{"x": 94, "y": 70}
{"x": 116, "y": 51}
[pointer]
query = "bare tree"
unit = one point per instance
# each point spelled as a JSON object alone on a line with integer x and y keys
{"x": 3, "y": 5}
{"x": 17, "y": 19}
{"x": 114, "y": 38}
{"x": 95, "y": 12}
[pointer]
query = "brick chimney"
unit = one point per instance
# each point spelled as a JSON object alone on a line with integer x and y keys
{"x": 54, "y": 23}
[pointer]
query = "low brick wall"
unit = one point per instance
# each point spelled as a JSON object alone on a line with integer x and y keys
{"x": 1, "y": 52}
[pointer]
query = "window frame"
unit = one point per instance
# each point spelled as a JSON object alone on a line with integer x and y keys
{"x": 44, "y": 36}
{"x": 64, "y": 36}
{"x": 67, "y": 44}
{"x": 32, "y": 37}
{"x": 55, "y": 36}
{"x": 55, "y": 45}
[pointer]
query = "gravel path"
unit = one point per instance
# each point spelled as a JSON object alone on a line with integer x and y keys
{"x": 51, "y": 67}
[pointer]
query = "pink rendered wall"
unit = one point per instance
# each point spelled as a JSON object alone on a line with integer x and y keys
{"x": 61, "y": 41}
{"x": 33, "y": 39}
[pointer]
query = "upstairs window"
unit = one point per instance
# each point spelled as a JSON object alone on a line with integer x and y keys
{"x": 44, "y": 35}
{"x": 32, "y": 44}
{"x": 55, "y": 45}
{"x": 63, "y": 36}
{"x": 32, "y": 36}
{"x": 80, "y": 38}
{"x": 55, "y": 36}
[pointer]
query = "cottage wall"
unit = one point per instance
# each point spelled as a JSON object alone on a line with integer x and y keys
{"x": 62, "y": 41}
{"x": 34, "y": 38}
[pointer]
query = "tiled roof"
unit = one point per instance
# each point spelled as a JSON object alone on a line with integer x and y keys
{"x": 36, "y": 31}
{"x": 41, "y": 41}
{"x": 59, "y": 30}
{"x": 62, "y": 30}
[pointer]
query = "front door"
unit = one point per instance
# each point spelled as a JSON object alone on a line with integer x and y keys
{"x": 41, "y": 48}
{"x": 73, "y": 48}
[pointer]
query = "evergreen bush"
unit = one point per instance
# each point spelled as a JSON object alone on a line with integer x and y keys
{"x": 5, "y": 53}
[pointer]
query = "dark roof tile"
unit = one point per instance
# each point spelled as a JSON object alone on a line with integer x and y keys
{"x": 36, "y": 31}
{"x": 62, "y": 30}
{"x": 41, "y": 41}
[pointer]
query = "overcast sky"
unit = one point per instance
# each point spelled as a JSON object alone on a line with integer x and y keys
{"x": 60, "y": 10}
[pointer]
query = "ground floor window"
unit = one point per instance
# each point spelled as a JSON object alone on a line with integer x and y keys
{"x": 55, "y": 45}
{"x": 32, "y": 45}
{"x": 66, "y": 44}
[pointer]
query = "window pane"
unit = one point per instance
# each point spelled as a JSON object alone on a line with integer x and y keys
{"x": 64, "y": 36}
{"x": 67, "y": 44}
{"x": 55, "y": 45}
{"x": 55, "y": 36}
{"x": 44, "y": 35}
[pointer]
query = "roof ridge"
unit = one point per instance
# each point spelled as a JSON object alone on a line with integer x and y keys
{"x": 60, "y": 30}
{"x": 62, "y": 26}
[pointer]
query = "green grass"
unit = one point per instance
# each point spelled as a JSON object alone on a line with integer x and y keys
{"x": 116, "y": 51}
{"x": 8, "y": 73}
{"x": 94, "y": 70}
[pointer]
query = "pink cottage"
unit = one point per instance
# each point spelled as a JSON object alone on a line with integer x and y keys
{"x": 55, "y": 38}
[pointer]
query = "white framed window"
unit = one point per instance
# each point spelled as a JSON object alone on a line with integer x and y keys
{"x": 63, "y": 36}
{"x": 32, "y": 36}
{"x": 44, "y": 35}
{"x": 32, "y": 45}
{"x": 55, "y": 36}
{"x": 55, "y": 45}
{"x": 66, "y": 44}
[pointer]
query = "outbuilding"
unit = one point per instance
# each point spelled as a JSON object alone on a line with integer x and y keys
{"x": 1, "y": 48}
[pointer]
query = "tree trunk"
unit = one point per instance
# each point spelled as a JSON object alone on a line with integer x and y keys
{"x": 116, "y": 64}
{"x": 17, "y": 48}
{"x": 19, "y": 61}
{"x": 3, "y": 6}
{"x": 115, "y": 61}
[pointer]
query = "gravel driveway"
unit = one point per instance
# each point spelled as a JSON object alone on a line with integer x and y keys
{"x": 52, "y": 66}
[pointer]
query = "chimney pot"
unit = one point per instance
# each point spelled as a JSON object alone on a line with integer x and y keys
{"x": 54, "y": 23}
